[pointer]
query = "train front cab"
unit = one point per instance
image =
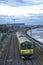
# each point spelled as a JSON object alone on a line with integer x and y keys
{"x": 27, "y": 50}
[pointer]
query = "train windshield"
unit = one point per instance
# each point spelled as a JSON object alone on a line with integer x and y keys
{"x": 29, "y": 46}
{"x": 26, "y": 45}
{"x": 23, "y": 46}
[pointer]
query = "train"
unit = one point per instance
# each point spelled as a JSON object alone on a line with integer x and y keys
{"x": 26, "y": 47}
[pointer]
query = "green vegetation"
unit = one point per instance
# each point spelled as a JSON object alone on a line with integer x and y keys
{"x": 3, "y": 29}
{"x": 3, "y": 41}
{"x": 3, "y": 37}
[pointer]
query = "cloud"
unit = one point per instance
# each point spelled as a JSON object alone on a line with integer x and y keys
{"x": 33, "y": 2}
{"x": 12, "y": 2}
{"x": 35, "y": 19}
{"x": 23, "y": 10}
{"x": 21, "y": 2}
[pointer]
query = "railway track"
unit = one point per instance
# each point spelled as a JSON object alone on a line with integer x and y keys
{"x": 5, "y": 53}
{"x": 40, "y": 55}
{"x": 25, "y": 62}
{"x": 16, "y": 57}
{"x": 31, "y": 62}
{"x": 11, "y": 54}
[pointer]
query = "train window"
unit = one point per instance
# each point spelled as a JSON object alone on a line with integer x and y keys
{"x": 26, "y": 45}
{"x": 23, "y": 46}
{"x": 29, "y": 46}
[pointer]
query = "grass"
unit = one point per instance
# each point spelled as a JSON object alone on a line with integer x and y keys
{"x": 3, "y": 44}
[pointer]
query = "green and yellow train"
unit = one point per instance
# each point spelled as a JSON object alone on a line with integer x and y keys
{"x": 26, "y": 47}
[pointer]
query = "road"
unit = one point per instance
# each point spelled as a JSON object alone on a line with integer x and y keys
{"x": 11, "y": 56}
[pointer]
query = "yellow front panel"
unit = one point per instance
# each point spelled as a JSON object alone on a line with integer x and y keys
{"x": 27, "y": 51}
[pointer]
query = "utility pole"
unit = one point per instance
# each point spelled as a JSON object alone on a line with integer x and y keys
{"x": 31, "y": 32}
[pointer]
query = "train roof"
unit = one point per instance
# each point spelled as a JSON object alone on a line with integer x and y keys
{"x": 22, "y": 39}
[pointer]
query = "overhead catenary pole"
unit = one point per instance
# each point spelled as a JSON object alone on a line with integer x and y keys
{"x": 31, "y": 32}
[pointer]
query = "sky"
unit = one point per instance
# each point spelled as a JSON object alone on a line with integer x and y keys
{"x": 24, "y": 11}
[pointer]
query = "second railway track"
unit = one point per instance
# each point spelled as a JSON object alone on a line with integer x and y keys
{"x": 5, "y": 52}
{"x": 31, "y": 62}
